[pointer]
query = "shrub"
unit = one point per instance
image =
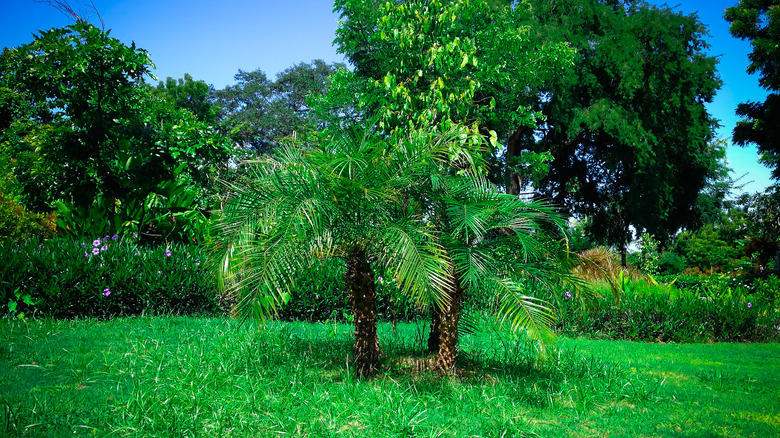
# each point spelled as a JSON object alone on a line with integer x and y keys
{"x": 647, "y": 312}
{"x": 18, "y": 223}
{"x": 105, "y": 277}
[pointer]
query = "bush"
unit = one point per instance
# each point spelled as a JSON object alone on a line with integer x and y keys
{"x": 103, "y": 278}
{"x": 17, "y": 223}
{"x": 646, "y": 312}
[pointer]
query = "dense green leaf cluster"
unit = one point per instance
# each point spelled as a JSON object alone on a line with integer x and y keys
{"x": 80, "y": 130}
{"x": 758, "y": 21}
{"x": 105, "y": 278}
{"x": 647, "y": 312}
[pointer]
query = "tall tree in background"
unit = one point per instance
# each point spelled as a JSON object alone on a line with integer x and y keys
{"x": 631, "y": 140}
{"x": 759, "y": 22}
{"x": 81, "y": 82}
{"x": 258, "y": 111}
{"x": 191, "y": 95}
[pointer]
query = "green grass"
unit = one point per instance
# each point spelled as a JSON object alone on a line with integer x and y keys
{"x": 209, "y": 377}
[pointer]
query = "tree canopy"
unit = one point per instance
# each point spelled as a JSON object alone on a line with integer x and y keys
{"x": 759, "y": 22}
{"x": 84, "y": 132}
{"x": 258, "y": 112}
{"x": 631, "y": 139}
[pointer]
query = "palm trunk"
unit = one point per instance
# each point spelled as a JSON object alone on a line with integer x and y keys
{"x": 448, "y": 339}
{"x": 362, "y": 292}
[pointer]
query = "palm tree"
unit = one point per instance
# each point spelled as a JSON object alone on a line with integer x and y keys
{"x": 347, "y": 196}
{"x": 499, "y": 245}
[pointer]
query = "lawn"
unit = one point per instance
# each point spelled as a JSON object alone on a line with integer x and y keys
{"x": 180, "y": 376}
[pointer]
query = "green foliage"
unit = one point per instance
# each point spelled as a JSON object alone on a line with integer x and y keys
{"x": 670, "y": 263}
{"x": 191, "y": 95}
{"x": 648, "y": 254}
{"x": 762, "y": 224}
{"x": 631, "y": 138}
{"x": 319, "y": 294}
{"x": 758, "y": 21}
{"x": 445, "y": 63}
{"x": 258, "y": 112}
{"x": 324, "y": 201}
{"x": 17, "y": 223}
{"x": 706, "y": 251}
{"x": 85, "y": 133}
{"x": 658, "y": 313}
{"x": 105, "y": 278}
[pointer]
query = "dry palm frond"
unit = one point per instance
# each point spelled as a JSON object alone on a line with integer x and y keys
{"x": 602, "y": 264}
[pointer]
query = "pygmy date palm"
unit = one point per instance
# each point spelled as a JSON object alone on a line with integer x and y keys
{"x": 501, "y": 246}
{"x": 346, "y": 196}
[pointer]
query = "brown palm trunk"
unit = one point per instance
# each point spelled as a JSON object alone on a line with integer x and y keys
{"x": 362, "y": 292}
{"x": 448, "y": 339}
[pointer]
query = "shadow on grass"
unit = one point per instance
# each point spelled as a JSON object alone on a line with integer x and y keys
{"x": 540, "y": 380}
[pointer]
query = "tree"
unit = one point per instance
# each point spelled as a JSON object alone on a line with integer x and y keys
{"x": 344, "y": 196}
{"x": 759, "y": 22}
{"x": 192, "y": 95}
{"x": 91, "y": 137}
{"x": 451, "y": 62}
{"x": 82, "y": 78}
{"x": 500, "y": 246}
{"x": 631, "y": 140}
{"x": 421, "y": 64}
{"x": 260, "y": 112}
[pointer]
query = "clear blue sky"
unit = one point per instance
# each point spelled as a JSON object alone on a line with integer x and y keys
{"x": 212, "y": 40}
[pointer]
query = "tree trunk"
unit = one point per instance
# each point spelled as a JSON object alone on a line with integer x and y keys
{"x": 513, "y": 149}
{"x": 448, "y": 339}
{"x": 434, "y": 337}
{"x": 362, "y": 293}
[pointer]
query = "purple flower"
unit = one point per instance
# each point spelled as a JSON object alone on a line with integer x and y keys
{"x": 750, "y": 305}
{"x": 167, "y": 253}
{"x": 86, "y": 254}
{"x": 106, "y": 292}
{"x": 40, "y": 246}
{"x": 114, "y": 237}
{"x": 106, "y": 238}
{"x": 135, "y": 235}
{"x": 96, "y": 242}
{"x": 105, "y": 247}
{"x": 95, "y": 251}
{"x": 568, "y": 294}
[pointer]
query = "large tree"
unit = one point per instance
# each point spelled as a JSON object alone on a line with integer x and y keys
{"x": 631, "y": 139}
{"x": 258, "y": 111}
{"x": 84, "y": 131}
{"x": 759, "y": 22}
{"x": 451, "y": 62}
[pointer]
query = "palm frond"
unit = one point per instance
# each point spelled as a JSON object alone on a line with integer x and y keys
{"x": 521, "y": 310}
{"x": 418, "y": 263}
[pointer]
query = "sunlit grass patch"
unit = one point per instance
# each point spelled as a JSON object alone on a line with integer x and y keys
{"x": 176, "y": 376}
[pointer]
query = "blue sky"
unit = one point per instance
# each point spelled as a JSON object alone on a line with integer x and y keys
{"x": 213, "y": 40}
